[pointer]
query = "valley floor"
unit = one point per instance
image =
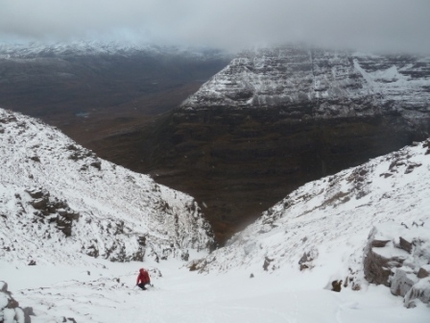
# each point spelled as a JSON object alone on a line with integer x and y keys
{"x": 104, "y": 292}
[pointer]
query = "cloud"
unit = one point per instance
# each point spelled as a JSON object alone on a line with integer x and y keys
{"x": 394, "y": 25}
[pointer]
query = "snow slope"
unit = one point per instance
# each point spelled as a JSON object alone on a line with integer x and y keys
{"x": 330, "y": 219}
{"x": 59, "y": 201}
{"x": 108, "y": 296}
{"x": 256, "y": 278}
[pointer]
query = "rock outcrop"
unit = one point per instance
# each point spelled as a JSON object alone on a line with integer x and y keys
{"x": 10, "y": 311}
{"x": 399, "y": 257}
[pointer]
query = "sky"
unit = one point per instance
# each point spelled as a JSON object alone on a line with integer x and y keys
{"x": 377, "y": 25}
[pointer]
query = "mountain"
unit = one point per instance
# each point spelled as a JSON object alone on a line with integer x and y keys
{"x": 306, "y": 259}
{"x": 268, "y": 122}
{"x": 335, "y": 84}
{"x": 367, "y": 224}
{"x": 276, "y": 118}
{"x": 95, "y": 90}
{"x": 59, "y": 202}
{"x": 81, "y": 78}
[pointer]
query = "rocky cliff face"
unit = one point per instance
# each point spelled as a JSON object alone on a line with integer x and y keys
{"x": 319, "y": 84}
{"x": 274, "y": 119}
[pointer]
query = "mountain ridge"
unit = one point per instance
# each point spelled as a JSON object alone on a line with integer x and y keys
{"x": 387, "y": 189}
{"x": 285, "y": 76}
{"x": 72, "y": 202}
{"x": 10, "y": 50}
{"x": 364, "y": 225}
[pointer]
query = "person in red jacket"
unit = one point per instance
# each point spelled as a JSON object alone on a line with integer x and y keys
{"x": 143, "y": 278}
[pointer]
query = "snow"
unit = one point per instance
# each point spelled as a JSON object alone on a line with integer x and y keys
{"x": 21, "y": 51}
{"x": 328, "y": 221}
{"x": 338, "y": 83}
{"x": 183, "y": 296}
{"x": 116, "y": 214}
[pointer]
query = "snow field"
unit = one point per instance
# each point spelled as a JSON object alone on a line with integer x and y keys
{"x": 108, "y": 295}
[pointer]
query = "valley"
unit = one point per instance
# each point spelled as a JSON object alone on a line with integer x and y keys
{"x": 286, "y": 204}
{"x": 265, "y": 123}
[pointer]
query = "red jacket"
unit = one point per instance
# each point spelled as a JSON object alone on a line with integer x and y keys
{"x": 143, "y": 277}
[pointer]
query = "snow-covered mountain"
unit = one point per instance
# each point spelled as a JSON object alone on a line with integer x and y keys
{"x": 34, "y": 50}
{"x": 329, "y": 84}
{"x": 335, "y": 226}
{"x": 282, "y": 268}
{"x": 59, "y": 200}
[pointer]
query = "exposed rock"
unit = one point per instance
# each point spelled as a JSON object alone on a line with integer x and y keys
{"x": 405, "y": 245}
{"x": 53, "y": 209}
{"x": 379, "y": 243}
{"x": 10, "y": 311}
{"x": 423, "y": 272}
{"x": 336, "y": 285}
{"x": 38, "y": 193}
{"x": 266, "y": 264}
{"x": 27, "y": 312}
{"x": 398, "y": 263}
{"x": 40, "y": 204}
{"x": 305, "y": 261}
{"x": 3, "y": 286}
{"x": 419, "y": 291}
{"x": 402, "y": 282}
{"x": 377, "y": 268}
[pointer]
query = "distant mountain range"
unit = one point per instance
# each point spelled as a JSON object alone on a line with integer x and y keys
{"x": 30, "y": 50}
{"x": 61, "y": 80}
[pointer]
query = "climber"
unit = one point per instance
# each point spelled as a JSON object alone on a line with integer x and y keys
{"x": 143, "y": 278}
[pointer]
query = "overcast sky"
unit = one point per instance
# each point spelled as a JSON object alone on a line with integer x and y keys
{"x": 394, "y": 25}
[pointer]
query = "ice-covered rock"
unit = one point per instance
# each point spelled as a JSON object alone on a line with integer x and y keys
{"x": 380, "y": 257}
{"x": 10, "y": 311}
{"x": 424, "y": 272}
{"x": 419, "y": 291}
{"x": 398, "y": 257}
{"x": 402, "y": 282}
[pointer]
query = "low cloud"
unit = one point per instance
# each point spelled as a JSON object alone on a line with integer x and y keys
{"x": 382, "y": 25}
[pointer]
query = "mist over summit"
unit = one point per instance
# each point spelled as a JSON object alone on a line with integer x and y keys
{"x": 386, "y": 25}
